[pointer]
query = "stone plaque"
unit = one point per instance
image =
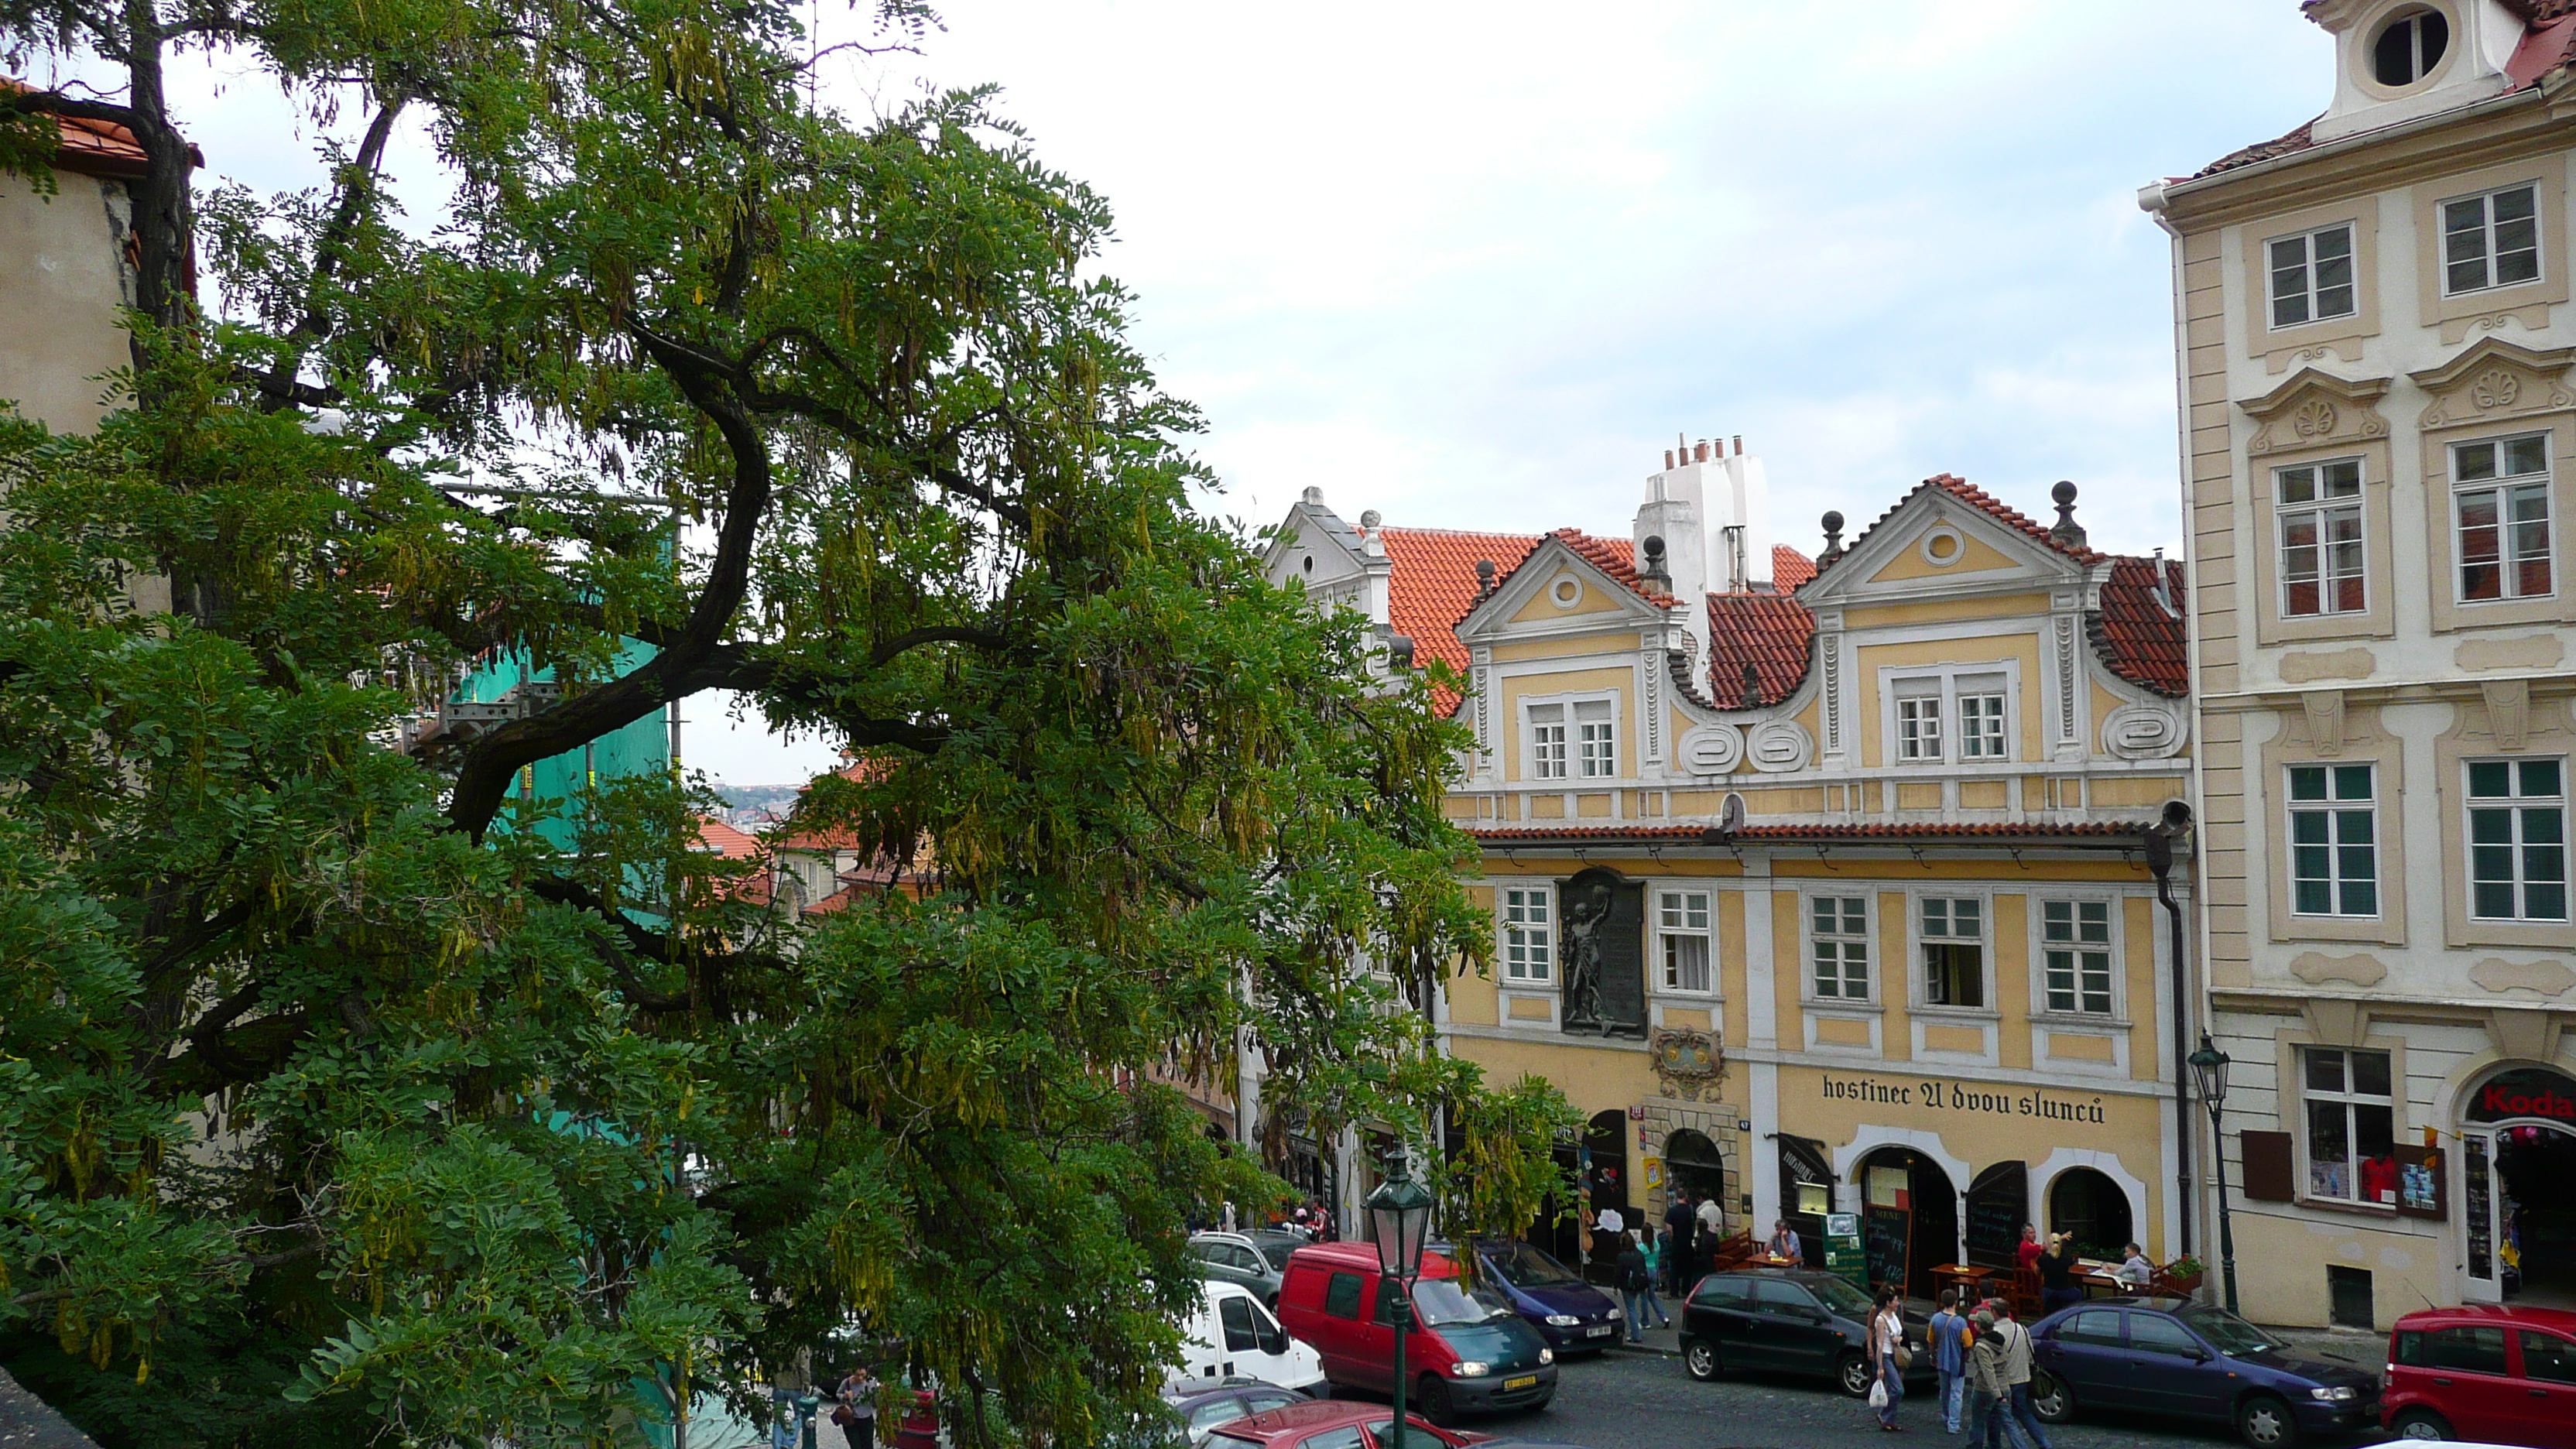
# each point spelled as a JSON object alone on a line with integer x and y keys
{"x": 1603, "y": 923}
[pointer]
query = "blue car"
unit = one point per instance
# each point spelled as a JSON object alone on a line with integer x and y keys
{"x": 1572, "y": 1315}
{"x": 2171, "y": 1356}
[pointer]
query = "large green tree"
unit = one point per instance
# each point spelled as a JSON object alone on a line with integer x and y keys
{"x": 336, "y": 1098}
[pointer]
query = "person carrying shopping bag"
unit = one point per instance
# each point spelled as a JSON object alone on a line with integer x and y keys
{"x": 1888, "y": 1353}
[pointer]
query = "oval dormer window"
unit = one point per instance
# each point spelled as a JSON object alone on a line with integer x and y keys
{"x": 2409, "y": 48}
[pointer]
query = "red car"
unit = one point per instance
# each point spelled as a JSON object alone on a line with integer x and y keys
{"x": 1331, "y": 1424}
{"x": 2502, "y": 1374}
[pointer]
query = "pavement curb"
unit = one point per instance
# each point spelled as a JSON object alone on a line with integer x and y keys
{"x": 1650, "y": 1350}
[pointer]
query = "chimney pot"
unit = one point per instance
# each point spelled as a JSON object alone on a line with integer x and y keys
{"x": 1739, "y": 445}
{"x": 1668, "y": 460}
{"x": 1702, "y": 455}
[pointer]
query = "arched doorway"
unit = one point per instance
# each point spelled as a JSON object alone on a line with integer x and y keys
{"x": 2093, "y": 1208}
{"x": 1909, "y": 1219}
{"x": 1691, "y": 1165}
{"x": 2518, "y": 1144}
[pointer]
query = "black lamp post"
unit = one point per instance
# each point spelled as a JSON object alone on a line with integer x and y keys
{"x": 2210, "y": 1065}
{"x": 1399, "y": 1215}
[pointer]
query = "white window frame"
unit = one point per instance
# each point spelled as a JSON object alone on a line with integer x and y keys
{"x": 1573, "y": 758}
{"x": 2322, "y": 509}
{"x": 2503, "y": 486}
{"x": 2486, "y": 232}
{"x": 2517, "y": 807}
{"x": 1596, "y": 755}
{"x": 1664, "y": 932}
{"x": 2337, "y": 811}
{"x": 1919, "y": 940}
{"x": 1898, "y": 684}
{"x": 1529, "y": 970}
{"x": 2310, "y": 1098}
{"x": 2115, "y": 922}
{"x": 1547, "y": 759}
{"x": 1919, "y": 736}
{"x": 1873, "y": 970}
{"x": 2309, "y": 290}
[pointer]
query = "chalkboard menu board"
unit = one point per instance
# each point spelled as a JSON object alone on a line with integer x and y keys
{"x": 1887, "y": 1239}
{"x": 2481, "y": 1212}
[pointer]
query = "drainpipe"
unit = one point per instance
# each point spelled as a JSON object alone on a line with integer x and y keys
{"x": 2160, "y": 858}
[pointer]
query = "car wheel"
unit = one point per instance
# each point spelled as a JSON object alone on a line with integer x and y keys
{"x": 2050, "y": 1399}
{"x": 1700, "y": 1357}
{"x": 2265, "y": 1422}
{"x": 1852, "y": 1372}
{"x": 1436, "y": 1403}
{"x": 2421, "y": 1424}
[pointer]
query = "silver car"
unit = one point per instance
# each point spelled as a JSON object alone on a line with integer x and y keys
{"x": 1238, "y": 1258}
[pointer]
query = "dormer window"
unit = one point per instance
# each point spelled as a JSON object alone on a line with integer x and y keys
{"x": 2409, "y": 48}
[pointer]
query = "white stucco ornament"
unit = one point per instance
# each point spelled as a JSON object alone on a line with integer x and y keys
{"x": 2144, "y": 732}
{"x": 1712, "y": 749}
{"x": 1780, "y": 746}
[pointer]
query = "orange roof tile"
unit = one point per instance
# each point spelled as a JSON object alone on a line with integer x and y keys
{"x": 1979, "y": 499}
{"x": 1768, "y": 633}
{"x": 1790, "y": 568}
{"x": 725, "y": 840}
{"x": 2136, "y": 637}
{"x": 1431, "y": 584}
{"x": 94, "y": 148}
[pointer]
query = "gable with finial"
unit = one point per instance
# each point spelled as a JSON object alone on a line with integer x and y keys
{"x": 2494, "y": 381}
{"x": 2316, "y": 409}
{"x": 1568, "y": 582}
{"x": 1949, "y": 536}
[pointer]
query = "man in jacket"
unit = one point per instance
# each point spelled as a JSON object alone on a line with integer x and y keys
{"x": 1987, "y": 1392}
{"x": 2016, "y": 1347}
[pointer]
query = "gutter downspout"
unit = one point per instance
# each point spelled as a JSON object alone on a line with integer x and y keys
{"x": 2160, "y": 859}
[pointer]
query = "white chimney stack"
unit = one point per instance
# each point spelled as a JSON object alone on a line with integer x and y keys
{"x": 1740, "y": 523}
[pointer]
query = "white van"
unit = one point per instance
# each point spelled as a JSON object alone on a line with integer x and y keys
{"x": 1230, "y": 1335}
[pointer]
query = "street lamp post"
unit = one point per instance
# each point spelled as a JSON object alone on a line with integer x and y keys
{"x": 1399, "y": 1214}
{"x": 2210, "y": 1065}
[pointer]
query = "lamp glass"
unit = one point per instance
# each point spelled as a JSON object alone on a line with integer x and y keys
{"x": 1400, "y": 1222}
{"x": 2210, "y": 1065}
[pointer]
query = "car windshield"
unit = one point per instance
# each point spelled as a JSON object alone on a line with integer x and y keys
{"x": 1840, "y": 1296}
{"x": 1275, "y": 1252}
{"x": 2225, "y": 1331}
{"x": 1440, "y": 1302}
{"x": 1523, "y": 1266}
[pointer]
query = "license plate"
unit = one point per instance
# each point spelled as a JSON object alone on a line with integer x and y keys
{"x": 1520, "y": 1383}
{"x": 1598, "y": 1330}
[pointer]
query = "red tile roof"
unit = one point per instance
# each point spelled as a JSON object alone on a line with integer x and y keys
{"x": 2548, "y": 42}
{"x": 2136, "y": 637}
{"x": 1770, "y": 632}
{"x": 724, "y": 840}
{"x": 1710, "y": 835}
{"x": 1431, "y": 583}
{"x": 1978, "y": 498}
{"x": 94, "y": 148}
{"x": 1790, "y": 568}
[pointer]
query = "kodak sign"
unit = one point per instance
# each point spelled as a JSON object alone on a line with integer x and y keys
{"x": 2525, "y": 1093}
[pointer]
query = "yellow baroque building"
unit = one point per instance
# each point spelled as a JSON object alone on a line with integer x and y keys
{"x": 1825, "y": 889}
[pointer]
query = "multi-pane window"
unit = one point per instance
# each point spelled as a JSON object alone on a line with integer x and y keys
{"x": 2518, "y": 840}
{"x": 2409, "y": 49}
{"x": 1547, "y": 741}
{"x": 2334, "y": 841}
{"x": 2352, "y": 1132}
{"x": 1954, "y": 951}
{"x": 1529, "y": 934}
{"x": 1681, "y": 919}
{"x": 2312, "y": 276}
{"x": 1840, "y": 935}
{"x": 1918, "y": 726}
{"x": 2491, "y": 240}
{"x": 1981, "y": 725}
{"x": 2500, "y": 490}
{"x": 1596, "y": 753}
{"x": 2319, "y": 513}
{"x": 2075, "y": 950}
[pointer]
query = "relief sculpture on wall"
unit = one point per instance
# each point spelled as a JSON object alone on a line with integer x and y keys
{"x": 1602, "y": 954}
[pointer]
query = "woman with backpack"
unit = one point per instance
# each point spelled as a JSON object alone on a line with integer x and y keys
{"x": 1637, "y": 1287}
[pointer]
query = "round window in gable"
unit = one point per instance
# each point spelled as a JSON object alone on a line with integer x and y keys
{"x": 1943, "y": 546}
{"x": 1567, "y": 591}
{"x": 2410, "y": 48}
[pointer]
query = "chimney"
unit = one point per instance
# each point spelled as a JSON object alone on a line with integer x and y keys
{"x": 1700, "y": 455}
{"x": 1743, "y": 502}
{"x": 1671, "y": 537}
{"x": 2066, "y": 531}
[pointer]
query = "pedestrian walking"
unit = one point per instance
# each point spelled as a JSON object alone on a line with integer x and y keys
{"x": 1989, "y": 1397}
{"x": 856, "y": 1412}
{"x": 2016, "y": 1346}
{"x": 2057, "y": 1286}
{"x": 1887, "y": 1352}
{"x": 1677, "y": 1242}
{"x": 1654, "y": 1304}
{"x": 1949, "y": 1338}
{"x": 1636, "y": 1285}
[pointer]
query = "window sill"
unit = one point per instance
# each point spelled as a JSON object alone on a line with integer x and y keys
{"x": 1866, "y": 1008}
{"x": 2356, "y": 1209}
{"x": 1957, "y": 1013}
{"x": 2074, "y": 1022}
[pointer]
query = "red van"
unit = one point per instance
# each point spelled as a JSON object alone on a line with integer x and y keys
{"x": 2484, "y": 1372}
{"x": 1468, "y": 1350}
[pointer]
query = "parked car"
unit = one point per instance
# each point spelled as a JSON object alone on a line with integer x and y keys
{"x": 1238, "y": 1258}
{"x": 1468, "y": 1350}
{"x": 2189, "y": 1360}
{"x": 1572, "y": 1315}
{"x": 1201, "y": 1406}
{"x": 2485, "y": 1372}
{"x": 1325, "y": 1424}
{"x": 1230, "y": 1335}
{"x": 1788, "y": 1320}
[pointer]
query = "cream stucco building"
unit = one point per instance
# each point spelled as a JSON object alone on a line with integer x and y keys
{"x": 1816, "y": 885}
{"x": 2375, "y": 346}
{"x": 64, "y": 273}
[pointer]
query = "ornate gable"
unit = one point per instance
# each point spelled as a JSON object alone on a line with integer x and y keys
{"x": 2494, "y": 381}
{"x": 2315, "y": 409}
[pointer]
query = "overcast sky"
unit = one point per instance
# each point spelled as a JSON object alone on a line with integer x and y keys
{"x": 1477, "y": 265}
